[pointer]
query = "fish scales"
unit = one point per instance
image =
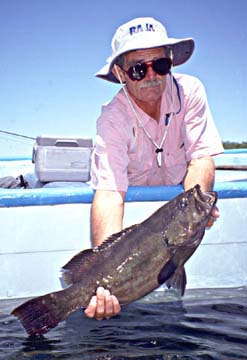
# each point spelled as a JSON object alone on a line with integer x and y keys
{"x": 130, "y": 264}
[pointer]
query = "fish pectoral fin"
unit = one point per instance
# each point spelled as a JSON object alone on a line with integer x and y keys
{"x": 178, "y": 280}
{"x": 167, "y": 271}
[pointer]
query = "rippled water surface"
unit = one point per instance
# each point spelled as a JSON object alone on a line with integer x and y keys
{"x": 204, "y": 325}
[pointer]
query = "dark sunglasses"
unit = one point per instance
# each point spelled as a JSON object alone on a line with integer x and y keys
{"x": 138, "y": 72}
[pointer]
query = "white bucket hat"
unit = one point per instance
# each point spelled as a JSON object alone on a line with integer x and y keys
{"x": 144, "y": 33}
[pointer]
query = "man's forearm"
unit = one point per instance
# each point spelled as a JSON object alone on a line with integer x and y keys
{"x": 200, "y": 171}
{"x": 106, "y": 215}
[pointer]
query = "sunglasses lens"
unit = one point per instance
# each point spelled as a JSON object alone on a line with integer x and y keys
{"x": 137, "y": 72}
{"x": 162, "y": 66}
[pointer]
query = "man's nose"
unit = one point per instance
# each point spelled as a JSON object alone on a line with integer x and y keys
{"x": 151, "y": 74}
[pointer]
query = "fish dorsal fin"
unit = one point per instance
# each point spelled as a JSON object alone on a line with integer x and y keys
{"x": 79, "y": 265}
{"x": 115, "y": 238}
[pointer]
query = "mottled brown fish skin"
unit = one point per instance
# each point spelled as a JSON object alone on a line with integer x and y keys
{"x": 130, "y": 264}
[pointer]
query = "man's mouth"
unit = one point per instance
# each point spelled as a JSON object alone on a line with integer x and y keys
{"x": 150, "y": 83}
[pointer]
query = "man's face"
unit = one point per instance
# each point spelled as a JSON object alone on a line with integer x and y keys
{"x": 149, "y": 89}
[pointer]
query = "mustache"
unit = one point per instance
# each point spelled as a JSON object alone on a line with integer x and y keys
{"x": 150, "y": 83}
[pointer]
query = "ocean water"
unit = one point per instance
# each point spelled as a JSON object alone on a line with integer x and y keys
{"x": 205, "y": 324}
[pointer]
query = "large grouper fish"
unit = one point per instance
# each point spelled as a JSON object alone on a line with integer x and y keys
{"x": 130, "y": 263}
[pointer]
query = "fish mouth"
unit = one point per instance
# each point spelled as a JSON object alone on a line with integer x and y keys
{"x": 209, "y": 197}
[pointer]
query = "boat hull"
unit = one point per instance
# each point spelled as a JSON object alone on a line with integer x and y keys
{"x": 42, "y": 228}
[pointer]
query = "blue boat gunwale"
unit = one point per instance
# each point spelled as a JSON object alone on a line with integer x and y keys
{"x": 84, "y": 195}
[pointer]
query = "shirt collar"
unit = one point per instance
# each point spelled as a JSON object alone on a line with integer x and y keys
{"x": 168, "y": 105}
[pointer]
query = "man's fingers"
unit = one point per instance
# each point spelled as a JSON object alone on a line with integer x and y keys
{"x": 96, "y": 306}
{"x": 215, "y": 212}
{"x": 109, "y": 310}
{"x": 103, "y": 305}
{"x": 211, "y": 221}
{"x": 91, "y": 309}
{"x": 213, "y": 217}
{"x": 116, "y": 305}
{"x": 100, "y": 309}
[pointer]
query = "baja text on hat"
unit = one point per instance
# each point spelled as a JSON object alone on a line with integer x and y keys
{"x": 139, "y": 28}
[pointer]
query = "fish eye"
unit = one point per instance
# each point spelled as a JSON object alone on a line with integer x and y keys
{"x": 183, "y": 203}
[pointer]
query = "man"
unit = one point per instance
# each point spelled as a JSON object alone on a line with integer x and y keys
{"x": 158, "y": 130}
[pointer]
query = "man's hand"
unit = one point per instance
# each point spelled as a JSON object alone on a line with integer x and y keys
{"x": 215, "y": 214}
{"x": 103, "y": 305}
{"x": 202, "y": 171}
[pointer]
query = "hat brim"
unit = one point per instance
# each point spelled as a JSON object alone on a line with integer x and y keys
{"x": 182, "y": 50}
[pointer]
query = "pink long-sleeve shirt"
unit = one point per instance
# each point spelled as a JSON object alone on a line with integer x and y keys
{"x": 123, "y": 153}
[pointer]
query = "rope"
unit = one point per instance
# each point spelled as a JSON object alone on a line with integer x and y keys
{"x": 17, "y": 135}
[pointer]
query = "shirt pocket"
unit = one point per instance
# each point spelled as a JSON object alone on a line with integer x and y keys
{"x": 176, "y": 166}
{"x": 138, "y": 169}
{"x": 175, "y": 157}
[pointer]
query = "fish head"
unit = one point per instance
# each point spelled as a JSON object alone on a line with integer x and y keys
{"x": 188, "y": 215}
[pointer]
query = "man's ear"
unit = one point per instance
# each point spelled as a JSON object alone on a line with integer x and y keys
{"x": 118, "y": 73}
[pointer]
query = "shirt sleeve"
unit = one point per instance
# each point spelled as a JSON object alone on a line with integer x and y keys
{"x": 200, "y": 135}
{"x": 110, "y": 155}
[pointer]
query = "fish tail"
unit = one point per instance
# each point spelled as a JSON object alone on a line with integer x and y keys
{"x": 41, "y": 314}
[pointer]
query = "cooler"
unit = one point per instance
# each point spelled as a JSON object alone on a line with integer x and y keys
{"x": 62, "y": 158}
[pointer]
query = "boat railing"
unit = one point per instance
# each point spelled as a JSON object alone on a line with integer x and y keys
{"x": 69, "y": 193}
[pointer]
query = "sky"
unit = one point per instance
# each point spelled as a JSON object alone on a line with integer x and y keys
{"x": 51, "y": 49}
